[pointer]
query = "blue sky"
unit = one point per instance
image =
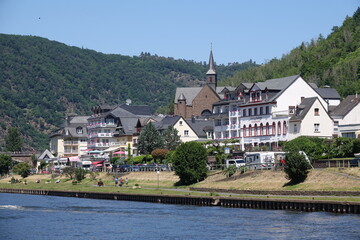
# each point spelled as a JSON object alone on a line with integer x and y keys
{"x": 239, "y": 30}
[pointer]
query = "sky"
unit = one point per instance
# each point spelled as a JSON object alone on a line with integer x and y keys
{"x": 237, "y": 30}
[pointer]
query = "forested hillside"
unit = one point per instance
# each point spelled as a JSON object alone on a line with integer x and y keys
{"x": 333, "y": 61}
{"x": 42, "y": 80}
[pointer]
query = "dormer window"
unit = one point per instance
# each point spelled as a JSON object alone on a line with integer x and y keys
{"x": 291, "y": 110}
{"x": 79, "y": 130}
{"x": 255, "y": 96}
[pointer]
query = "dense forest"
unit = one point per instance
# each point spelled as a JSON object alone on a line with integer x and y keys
{"x": 332, "y": 61}
{"x": 43, "y": 80}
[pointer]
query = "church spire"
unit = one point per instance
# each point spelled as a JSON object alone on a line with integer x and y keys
{"x": 211, "y": 77}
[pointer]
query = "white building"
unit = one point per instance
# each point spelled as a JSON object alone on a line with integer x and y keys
{"x": 347, "y": 117}
{"x": 259, "y": 115}
{"x": 310, "y": 119}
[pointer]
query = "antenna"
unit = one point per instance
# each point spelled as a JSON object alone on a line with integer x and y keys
{"x": 128, "y": 101}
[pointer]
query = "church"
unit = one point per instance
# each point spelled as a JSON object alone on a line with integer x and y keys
{"x": 197, "y": 101}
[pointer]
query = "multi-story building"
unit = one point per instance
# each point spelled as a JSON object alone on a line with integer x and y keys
{"x": 258, "y": 114}
{"x": 71, "y": 139}
{"x": 116, "y": 128}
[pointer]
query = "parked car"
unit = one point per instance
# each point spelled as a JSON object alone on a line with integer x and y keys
{"x": 355, "y": 162}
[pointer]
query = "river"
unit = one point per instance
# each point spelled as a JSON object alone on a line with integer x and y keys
{"x": 48, "y": 217}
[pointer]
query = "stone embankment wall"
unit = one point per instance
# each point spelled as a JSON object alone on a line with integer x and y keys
{"x": 235, "y": 202}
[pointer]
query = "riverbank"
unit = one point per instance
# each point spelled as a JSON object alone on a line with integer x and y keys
{"x": 232, "y": 202}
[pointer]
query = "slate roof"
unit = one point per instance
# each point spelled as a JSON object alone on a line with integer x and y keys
{"x": 166, "y": 122}
{"x": 345, "y": 106}
{"x": 70, "y": 126}
{"x": 328, "y": 93}
{"x": 303, "y": 109}
{"x": 199, "y": 126}
{"x": 277, "y": 83}
{"x": 140, "y": 110}
{"x": 191, "y": 92}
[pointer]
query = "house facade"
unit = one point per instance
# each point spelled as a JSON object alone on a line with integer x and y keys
{"x": 259, "y": 115}
{"x": 346, "y": 117}
{"x": 116, "y": 128}
{"x": 310, "y": 119}
{"x": 188, "y": 130}
{"x": 71, "y": 139}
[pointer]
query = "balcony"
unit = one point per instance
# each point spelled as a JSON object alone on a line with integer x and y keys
{"x": 99, "y": 135}
{"x": 100, "y": 125}
{"x": 71, "y": 142}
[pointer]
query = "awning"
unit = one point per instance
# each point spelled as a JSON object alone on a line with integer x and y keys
{"x": 99, "y": 165}
{"x": 87, "y": 150}
{"x": 94, "y": 151}
{"x": 74, "y": 159}
{"x": 119, "y": 152}
{"x": 112, "y": 149}
{"x": 98, "y": 162}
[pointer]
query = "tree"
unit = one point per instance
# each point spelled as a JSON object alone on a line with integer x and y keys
{"x": 296, "y": 168}
{"x": 150, "y": 139}
{"x": 171, "y": 138}
{"x": 189, "y": 162}
{"x": 5, "y": 164}
{"x": 69, "y": 172}
{"x": 13, "y": 141}
{"x": 23, "y": 169}
{"x": 159, "y": 154}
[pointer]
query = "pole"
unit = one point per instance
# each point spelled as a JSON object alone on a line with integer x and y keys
{"x": 158, "y": 174}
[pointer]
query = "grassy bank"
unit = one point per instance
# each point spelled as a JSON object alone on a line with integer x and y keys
{"x": 164, "y": 183}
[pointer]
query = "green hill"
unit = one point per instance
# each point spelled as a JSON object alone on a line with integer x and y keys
{"x": 42, "y": 80}
{"x": 333, "y": 61}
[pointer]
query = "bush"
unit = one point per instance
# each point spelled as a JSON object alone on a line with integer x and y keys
{"x": 159, "y": 154}
{"x": 190, "y": 162}
{"x": 69, "y": 172}
{"x": 229, "y": 171}
{"x": 22, "y": 169}
{"x": 296, "y": 168}
{"x": 79, "y": 174}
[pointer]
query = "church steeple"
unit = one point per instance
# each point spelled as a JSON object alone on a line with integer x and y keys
{"x": 211, "y": 77}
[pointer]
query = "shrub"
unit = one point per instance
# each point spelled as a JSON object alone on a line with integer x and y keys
{"x": 296, "y": 168}
{"x": 69, "y": 172}
{"x": 22, "y": 169}
{"x": 229, "y": 171}
{"x": 79, "y": 174}
{"x": 159, "y": 154}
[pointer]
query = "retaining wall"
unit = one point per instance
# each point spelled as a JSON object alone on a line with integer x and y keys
{"x": 275, "y": 204}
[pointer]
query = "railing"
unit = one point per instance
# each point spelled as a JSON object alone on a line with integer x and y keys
{"x": 71, "y": 142}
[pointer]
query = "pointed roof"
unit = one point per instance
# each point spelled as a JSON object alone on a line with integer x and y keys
{"x": 211, "y": 64}
{"x": 181, "y": 97}
{"x": 345, "y": 106}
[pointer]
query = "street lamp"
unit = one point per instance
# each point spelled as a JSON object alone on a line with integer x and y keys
{"x": 158, "y": 175}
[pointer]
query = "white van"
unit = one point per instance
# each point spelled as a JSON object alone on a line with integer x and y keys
{"x": 260, "y": 160}
{"x": 235, "y": 162}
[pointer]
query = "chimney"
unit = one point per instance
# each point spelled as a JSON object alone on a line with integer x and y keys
{"x": 192, "y": 118}
{"x": 302, "y": 99}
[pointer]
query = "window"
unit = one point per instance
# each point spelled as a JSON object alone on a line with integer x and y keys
{"x": 279, "y": 128}
{"x": 79, "y": 130}
{"x": 250, "y": 112}
{"x": 217, "y": 122}
{"x": 291, "y": 109}
{"x": 186, "y": 133}
{"x": 284, "y": 128}
{"x": 316, "y": 127}
{"x": 261, "y": 111}
{"x": 295, "y": 128}
{"x": 255, "y": 130}
{"x": 250, "y": 129}
{"x": 261, "y": 129}
{"x": 244, "y": 131}
{"x": 226, "y": 121}
{"x": 316, "y": 112}
{"x": 255, "y": 111}
{"x": 181, "y": 123}
{"x": 267, "y": 110}
{"x": 244, "y": 113}
{"x": 233, "y": 108}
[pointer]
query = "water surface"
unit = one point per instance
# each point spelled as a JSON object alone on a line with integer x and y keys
{"x": 49, "y": 217}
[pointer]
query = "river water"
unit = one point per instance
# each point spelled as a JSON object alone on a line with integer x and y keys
{"x": 49, "y": 217}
